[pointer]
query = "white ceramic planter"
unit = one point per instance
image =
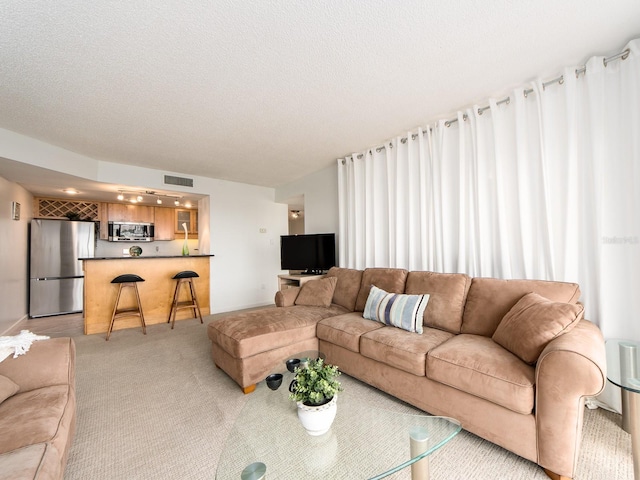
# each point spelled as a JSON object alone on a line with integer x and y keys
{"x": 318, "y": 420}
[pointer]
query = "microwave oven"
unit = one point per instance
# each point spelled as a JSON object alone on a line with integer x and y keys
{"x": 130, "y": 232}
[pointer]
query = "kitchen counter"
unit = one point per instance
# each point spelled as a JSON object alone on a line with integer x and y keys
{"x": 156, "y": 292}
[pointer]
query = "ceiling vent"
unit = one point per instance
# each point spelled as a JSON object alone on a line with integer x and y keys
{"x": 181, "y": 181}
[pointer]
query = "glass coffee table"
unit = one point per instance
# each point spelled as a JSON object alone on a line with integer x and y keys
{"x": 623, "y": 370}
{"x": 373, "y": 436}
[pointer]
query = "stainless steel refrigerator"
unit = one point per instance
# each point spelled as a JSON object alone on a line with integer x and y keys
{"x": 56, "y": 278}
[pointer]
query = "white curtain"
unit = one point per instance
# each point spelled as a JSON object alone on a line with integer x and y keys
{"x": 545, "y": 186}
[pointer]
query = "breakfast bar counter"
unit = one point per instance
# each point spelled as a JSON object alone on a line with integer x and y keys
{"x": 156, "y": 292}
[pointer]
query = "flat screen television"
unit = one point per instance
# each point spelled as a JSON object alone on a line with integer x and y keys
{"x": 312, "y": 253}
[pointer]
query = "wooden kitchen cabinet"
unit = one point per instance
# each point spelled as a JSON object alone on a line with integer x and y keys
{"x": 188, "y": 216}
{"x": 103, "y": 218}
{"x": 164, "y": 220}
{"x": 121, "y": 212}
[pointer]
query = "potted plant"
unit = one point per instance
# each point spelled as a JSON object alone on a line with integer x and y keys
{"x": 315, "y": 390}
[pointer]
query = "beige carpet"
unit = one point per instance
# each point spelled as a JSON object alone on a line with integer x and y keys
{"x": 155, "y": 407}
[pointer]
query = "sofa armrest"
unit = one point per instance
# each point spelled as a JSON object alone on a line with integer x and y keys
{"x": 48, "y": 362}
{"x": 287, "y": 297}
{"x": 570, "y": 368}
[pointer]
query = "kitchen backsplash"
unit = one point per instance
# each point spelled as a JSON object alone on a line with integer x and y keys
{"x": 151, "y": 249}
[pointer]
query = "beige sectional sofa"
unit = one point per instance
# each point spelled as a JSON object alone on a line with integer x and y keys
{"x": 512, "y": 360}
{"x": 37, "y": 419}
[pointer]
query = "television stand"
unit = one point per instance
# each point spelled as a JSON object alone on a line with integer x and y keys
{"x": 288, "y": 281}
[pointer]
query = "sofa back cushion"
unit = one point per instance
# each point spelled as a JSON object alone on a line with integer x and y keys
{"x": 391, "y": 280}
{"x": 317, "y": 293}
{"x": 447, "y": 296}
{"x": 533, "y": 322}
{"x": 490, "y": 299}
{"x": 347, "y": 286}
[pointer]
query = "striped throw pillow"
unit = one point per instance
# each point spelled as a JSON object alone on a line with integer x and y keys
{"x": 395, "y": 309}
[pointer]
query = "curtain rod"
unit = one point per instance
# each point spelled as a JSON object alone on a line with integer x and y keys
{"x": 559, "y": 80}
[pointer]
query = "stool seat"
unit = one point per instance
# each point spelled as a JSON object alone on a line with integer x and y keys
{"x": 127, "y": 277}
{"x": 123, "y": 281}
{"x": 186, "y": 276}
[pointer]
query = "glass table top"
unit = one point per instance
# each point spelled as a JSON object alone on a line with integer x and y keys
{"x": 623, "y": 369}
{"x": 369, "y": 438}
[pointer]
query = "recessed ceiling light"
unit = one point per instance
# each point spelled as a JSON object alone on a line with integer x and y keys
{"x": 70, "y": 191}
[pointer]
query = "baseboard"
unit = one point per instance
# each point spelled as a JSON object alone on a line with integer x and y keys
{"x": 14, "y": 324}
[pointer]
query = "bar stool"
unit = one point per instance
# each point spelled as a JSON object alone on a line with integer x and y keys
{"x": 124, "y": 281}
{"x": 184, "y": 277}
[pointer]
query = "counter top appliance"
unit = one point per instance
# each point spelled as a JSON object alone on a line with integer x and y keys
{"x": 131, "y": 232}
{"x": 56, "y": 278}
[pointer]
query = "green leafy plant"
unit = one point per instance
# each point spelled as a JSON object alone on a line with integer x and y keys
{"x": 315, "y": 384}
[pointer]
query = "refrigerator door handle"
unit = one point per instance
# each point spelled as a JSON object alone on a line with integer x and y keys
{"x": 43, "y": 279}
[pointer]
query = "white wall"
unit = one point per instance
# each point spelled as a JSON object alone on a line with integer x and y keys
{"x": 247, "y": 260}
{"x": 14, "y": 250}
{"x": 246, "y": 263}
{"x": 320, "y": 190}
{"x": 21, "y": 148}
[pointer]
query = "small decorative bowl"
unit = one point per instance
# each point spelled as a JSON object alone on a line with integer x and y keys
{"x": 274, "y": 381}
{"x": 135, "y": 251}
{"x": 292, "y": 363}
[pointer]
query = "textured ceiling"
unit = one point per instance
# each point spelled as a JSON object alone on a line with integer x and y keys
{"x": 265, "y": 92}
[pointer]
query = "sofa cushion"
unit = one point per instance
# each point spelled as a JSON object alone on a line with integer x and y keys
{"x": 317, "y": 293}
{"x": 447, "y": 296}
{"x": 390, "y": 279}
{"x": 347, "y": 288}
{"x": 489, "y": 300}
{"x": 55, "y": 360}
{"x": 41, "y": 461}
{"x": 346, "y": 330}
{"x": 396, "y": 309}
{"x": 34, "y": 416}
{"x": 249, "y": 333}
{"x": 533, "y": 322}
{"x": 398, "y": 349}
{"x": 477, "y": 365}
{"x": 286, "y": 297}
{"x": 7, "y": 388}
